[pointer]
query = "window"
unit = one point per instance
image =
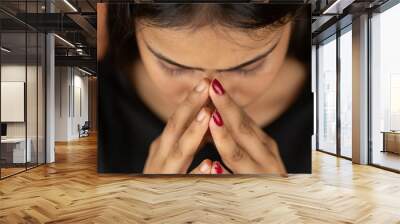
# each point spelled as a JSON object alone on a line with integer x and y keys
{"x": 327, "y": 95}
{"x": 346, "y": 92}
{"x": 385, "y": 89}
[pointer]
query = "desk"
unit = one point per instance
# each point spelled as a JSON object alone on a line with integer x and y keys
{"x": 13, "y": 150}
{"x": 391, "y": 141}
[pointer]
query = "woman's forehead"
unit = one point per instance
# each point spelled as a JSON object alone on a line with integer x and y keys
{"x": 212, "y": 34}
{"x": 209, "y": 45}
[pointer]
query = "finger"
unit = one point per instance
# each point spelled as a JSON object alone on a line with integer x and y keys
{"x": 236, "y": 120}
{"x": 184, "y": 114}
{"x": 192, "y": 137}
{"x": 203, "y": 168}
{"x": 232, "y": 155}
{"x": 218, "y": 168}
{"x": 268, "y": 142}
{"x": 151, "y": 158}
{"x": 181, "y": 157}
{"x": 246, "y": 131}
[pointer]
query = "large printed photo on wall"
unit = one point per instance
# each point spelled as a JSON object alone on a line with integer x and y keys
{"x": 204, "y": 88}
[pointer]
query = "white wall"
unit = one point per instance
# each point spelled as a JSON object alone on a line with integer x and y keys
{"x": 13, "y": 101}
{"x": 80, "y": 102}
{"x": 71, "y": 92}
{"x": 14, "y": 73}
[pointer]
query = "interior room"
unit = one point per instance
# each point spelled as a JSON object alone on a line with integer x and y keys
{"x": 49, "y": 127}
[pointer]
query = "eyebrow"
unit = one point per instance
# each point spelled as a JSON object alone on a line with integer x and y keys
{"x": 249, "y": 62}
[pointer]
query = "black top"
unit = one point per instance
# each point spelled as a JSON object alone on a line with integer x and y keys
{"x": 127, "y": 127}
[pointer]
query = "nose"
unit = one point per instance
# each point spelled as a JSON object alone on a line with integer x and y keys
{"x": 210, "y": 74}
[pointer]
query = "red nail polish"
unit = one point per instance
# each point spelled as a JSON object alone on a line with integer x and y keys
{"x": 217, "y": 87}
{"x": 217, "y": 118}
{"x": 218, "y": 167}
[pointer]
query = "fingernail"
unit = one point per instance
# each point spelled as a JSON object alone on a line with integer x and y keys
{"x": 217, "y": 87}
{"x": 201, "y": 86}
{"x": 217, "y": 118}
{"x": 218, "y": 167}
{"x": 201, "y": 115}
{"x": 204, "y": 168}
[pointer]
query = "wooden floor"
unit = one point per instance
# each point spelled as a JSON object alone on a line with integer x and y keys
{"x": 70, "y": 191}
{"x": 5, "y": 172}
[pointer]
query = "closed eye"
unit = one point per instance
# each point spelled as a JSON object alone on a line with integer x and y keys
{"x": 251, "y": 69}
{"x": 248, "y": 70}
{"x": 175, "y": 70}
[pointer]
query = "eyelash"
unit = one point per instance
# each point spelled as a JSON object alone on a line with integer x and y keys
{"x": 250, "y": 71}
{"x": 175, "y": 71}
{"x": 180, "y": 71}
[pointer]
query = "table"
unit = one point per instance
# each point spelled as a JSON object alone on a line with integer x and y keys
{"x": 391, "y": 141}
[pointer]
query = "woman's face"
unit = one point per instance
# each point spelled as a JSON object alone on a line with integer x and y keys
{"x": 245, "y": 62}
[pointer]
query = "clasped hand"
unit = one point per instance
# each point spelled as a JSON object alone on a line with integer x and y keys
{"x": 243, "y": 146}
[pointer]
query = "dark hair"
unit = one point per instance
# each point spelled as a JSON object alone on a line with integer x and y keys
{"x": 122, "y": 49}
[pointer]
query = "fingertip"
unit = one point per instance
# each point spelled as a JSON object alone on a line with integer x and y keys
{"x": 217, "y": 168}
{"x": 217, "y": 118}
{"x": 202, "y": 85}
{"x": 205, "y": 166}
{"x": 208, "y": 161}
{"x": 201, "y": 115}
{"x": 213, "y": 168}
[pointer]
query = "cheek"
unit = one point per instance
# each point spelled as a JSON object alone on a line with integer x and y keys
{"x": 247, "y": 88}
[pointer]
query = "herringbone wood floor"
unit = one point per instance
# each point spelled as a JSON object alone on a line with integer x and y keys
{"x": 70, "y": 191}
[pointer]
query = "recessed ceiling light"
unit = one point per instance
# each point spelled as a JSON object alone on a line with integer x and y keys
{"x": 64, "y": 40}
{"x": 337, "y": 7}
{"x": 70, "y": 5}
{"x": 5, "y": 50}
{"x": 84, "y": 71}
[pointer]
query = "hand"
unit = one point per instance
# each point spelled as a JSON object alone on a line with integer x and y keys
{"x": 172, "y": 152}
{"x": 243, "y": 146}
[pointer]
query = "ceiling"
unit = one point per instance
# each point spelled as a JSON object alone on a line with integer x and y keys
{"x": 72, "y": 20}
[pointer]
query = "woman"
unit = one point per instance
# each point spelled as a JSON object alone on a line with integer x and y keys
{"x": 205, "y": 89}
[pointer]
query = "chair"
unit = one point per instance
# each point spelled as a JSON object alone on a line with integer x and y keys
{"x": 84, "y": 130}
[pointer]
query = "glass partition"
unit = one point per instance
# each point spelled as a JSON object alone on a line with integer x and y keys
{"x": 327, "y": 95}
{"x": 22, "y": 88}
{"x": 15, "y": 151}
